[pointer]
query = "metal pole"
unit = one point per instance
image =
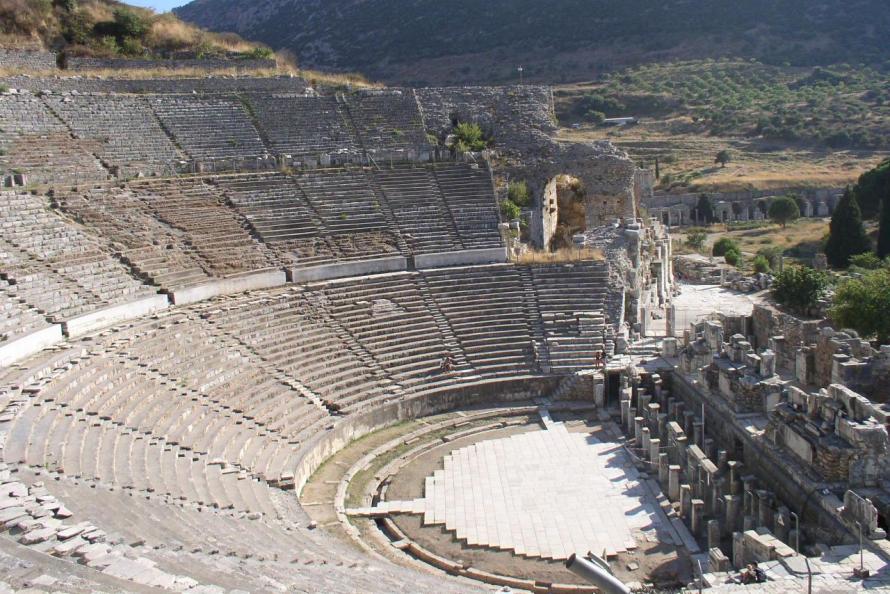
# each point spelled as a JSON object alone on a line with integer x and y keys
{"x": 701, "y": 576}
{"x": 809, "y": 576}
{"x": 796, "y": 533}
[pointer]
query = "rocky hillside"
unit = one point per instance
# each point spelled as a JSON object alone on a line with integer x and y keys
{"x": 112, "y": 29}
{"x": 429, "y": 41}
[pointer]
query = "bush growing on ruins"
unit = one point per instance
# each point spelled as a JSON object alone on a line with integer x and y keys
{"x": 799, "y": 287}
{"x": 696, "y": 239}
{"x": 469, "y": 138}
{"x": 518, "y": 193}
{"x": 862, "y": 304}
{"x": 772, "y": 254}
{"x": 733, "y": 257}
{"x": 723, "y": 245}
{"x": 761, "y": 264}
{"x": 509, "y": 210}
{"x": 846, "y": 233}
{"x": 783, "y": 210}
{"x": 866, "y": 261}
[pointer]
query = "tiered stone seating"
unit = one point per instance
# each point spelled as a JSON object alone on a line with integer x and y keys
{"x": 486, "y": 306}
{"x": 387, "y": 122}
{"x": 353, "y": 216}
{"x": 56, "y": 267}
{"x": 220, "y": 235}
{"x": 388, "y": 315}
{"x": 229, "y": 375}
{"x": 304, "y": 127}
{"x": 469, "y": 195}
{"x": 571, "y": 301}
{"x": 278, "y": 211}
{"x": 419, "y": 209}
{"x": 35, "y": 142}
{"x": 131, "y": 137}
{"x": 209, "y": 128}
{"x": 151, "y": 246}
{"x": 291, "y": 331}
{"x": 17, "y": 318}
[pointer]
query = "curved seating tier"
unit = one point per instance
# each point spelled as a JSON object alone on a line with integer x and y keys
{"x": 55, "y": 266}
{"x": 182, "y": 432}
{"x": 35, "y": 141}
{"x": 130, "y": 136}
{"x": 209, "y": 128}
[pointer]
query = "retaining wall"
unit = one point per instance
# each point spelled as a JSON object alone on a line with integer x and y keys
{"x": 30, "y": 344}
{"x": 347, "y": 269}
{"x": 226, "y": 286}
{"x": 323, "y": 446}
{"x": 462, "y": 258}
{"x": 115, "y": 314}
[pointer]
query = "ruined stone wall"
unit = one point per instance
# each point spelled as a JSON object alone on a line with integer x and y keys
{"x": 769, "y": 322}
{"x": 173, "y": 86}
{"x": 86, "y": 64}
{"x": 27, "y": 60}
{"x": 521, "y": 122}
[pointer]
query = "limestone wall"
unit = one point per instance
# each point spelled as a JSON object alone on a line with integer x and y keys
{"x": 86, "y": 64}
{"x": 209, "y": 84}
{"x": 14, "y": 59}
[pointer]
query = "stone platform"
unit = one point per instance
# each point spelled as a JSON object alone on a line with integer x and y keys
{"x": 542, "y": 494}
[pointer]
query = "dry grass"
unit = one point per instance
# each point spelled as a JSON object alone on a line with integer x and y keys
{"x": 755, "y": 165}
{"x": 559, "y": 256}
{"x": 315, "y": 78}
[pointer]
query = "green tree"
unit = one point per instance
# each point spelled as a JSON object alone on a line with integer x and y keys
{"x": 518, "y": 193}
{"x": 723, "y": 157}
{"x": 723, "y": 245}
{"x": 884, "y": 229}
{"x": 872, "y": 188}
{"x": 783, "y": 210}
{"x": 705, "y": 209}
{"x": 799, "y": 287}
{"x": 846, "y": 232}
{"x": 866, "y": 260}
{"x": 862, "y": 304}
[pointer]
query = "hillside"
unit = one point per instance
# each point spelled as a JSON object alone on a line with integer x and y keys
{"x": 461, "y": 41}
{"x": 111, "y": 29}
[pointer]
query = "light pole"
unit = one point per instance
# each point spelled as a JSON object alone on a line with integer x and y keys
{"x": 796, "y": 533}
{"x": 519, "y": 70}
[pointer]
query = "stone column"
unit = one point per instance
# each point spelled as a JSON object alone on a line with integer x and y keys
{"x": 713, "y": 534}
{"x": 654, "y": 449}
{"x": 663, "y": 472}
{"x": 685, "y": 500}
{"x": 674, "y": 482}
{"x": 698, "y": 512}
{"x": 645, "y": 442}
{"x": 734, "y": 468}
{"x": 732, "y": 512}
{"x": 638, "y": 430}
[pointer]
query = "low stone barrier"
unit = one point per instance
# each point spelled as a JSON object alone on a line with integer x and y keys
{"x": 30, "y": 344}
{"x": 112, "y": 315}
{"x": 84, "y": 64}
{"x": 462, "y": 258}
{"x": 226, "y": 286}
{"x": 347, "y": 269}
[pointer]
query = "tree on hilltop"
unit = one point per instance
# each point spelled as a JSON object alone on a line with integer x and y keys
{"x": 723, "y": 157}
{"x": 846, "y": 233}
{"x": 783, "y": 210}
